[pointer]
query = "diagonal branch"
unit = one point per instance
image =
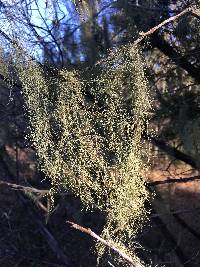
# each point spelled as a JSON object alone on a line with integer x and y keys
{"x": 25, "y": 189}
{"x": 142, "y": 35}
{"x": 178, "y": 59}
{"x": 172, "y": 151}
{"x": 88, "y": 231}
{"x": 173, "y": 18}
{"x": 36, "y": 218}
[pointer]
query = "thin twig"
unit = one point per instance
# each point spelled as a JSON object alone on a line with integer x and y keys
{"x": 110, "y": 264}
{"x": 88, "y": 231}
{"x": 27, "y": 189}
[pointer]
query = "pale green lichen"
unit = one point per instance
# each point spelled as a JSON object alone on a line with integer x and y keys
{"x": 96, "y": 153}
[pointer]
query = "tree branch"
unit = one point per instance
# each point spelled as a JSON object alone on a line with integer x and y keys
{"x": 36, "y": 218}
{"x": 173, "y": 181}
{"x": 172, "y": 151}
{"x": 178, "y": 59}
{"x": 173, "y": 18}
{"x": 25, "y": 189}
{"x": 88, "y": 231}
{"x": 154, "y": 29}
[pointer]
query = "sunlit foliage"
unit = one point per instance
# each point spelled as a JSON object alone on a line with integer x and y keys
{"x": 93, "y": 148}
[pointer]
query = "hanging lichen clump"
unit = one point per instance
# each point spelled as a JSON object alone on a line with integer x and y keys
{"x": 93, "y": 148}
{"x": 128, "y": 104}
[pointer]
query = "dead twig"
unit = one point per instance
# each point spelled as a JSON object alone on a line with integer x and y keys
{"x": 26, "y": 190}
{"x": 88, "y": 231}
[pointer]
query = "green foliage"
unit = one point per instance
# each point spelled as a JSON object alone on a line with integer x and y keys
{"x": 94, "y": 153}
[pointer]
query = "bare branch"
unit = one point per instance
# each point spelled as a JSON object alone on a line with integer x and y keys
{"x": 152, "y": 30}
{"x": 26, "y": 189}
{"x": 36, "y": 218}
{"x": 88, "y": 231}
{"x": 173, "y": 18}
{"x": 173, "y": 181}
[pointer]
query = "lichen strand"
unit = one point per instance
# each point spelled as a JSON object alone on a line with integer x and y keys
{"x": 94, "y": 152}
{"x": 126, "y": 212}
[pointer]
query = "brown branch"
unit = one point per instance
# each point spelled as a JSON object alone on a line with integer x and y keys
{"x": 172, "y": 181}
{"x": 106, "y": 243}
{"x": 173, "y": 18}
{"x": 152, "y": 30}
{"x": 36, "y": 218}
{"x": 25, "y": 189}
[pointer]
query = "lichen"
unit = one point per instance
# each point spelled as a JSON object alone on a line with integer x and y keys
{"x": 94, "y": 149}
